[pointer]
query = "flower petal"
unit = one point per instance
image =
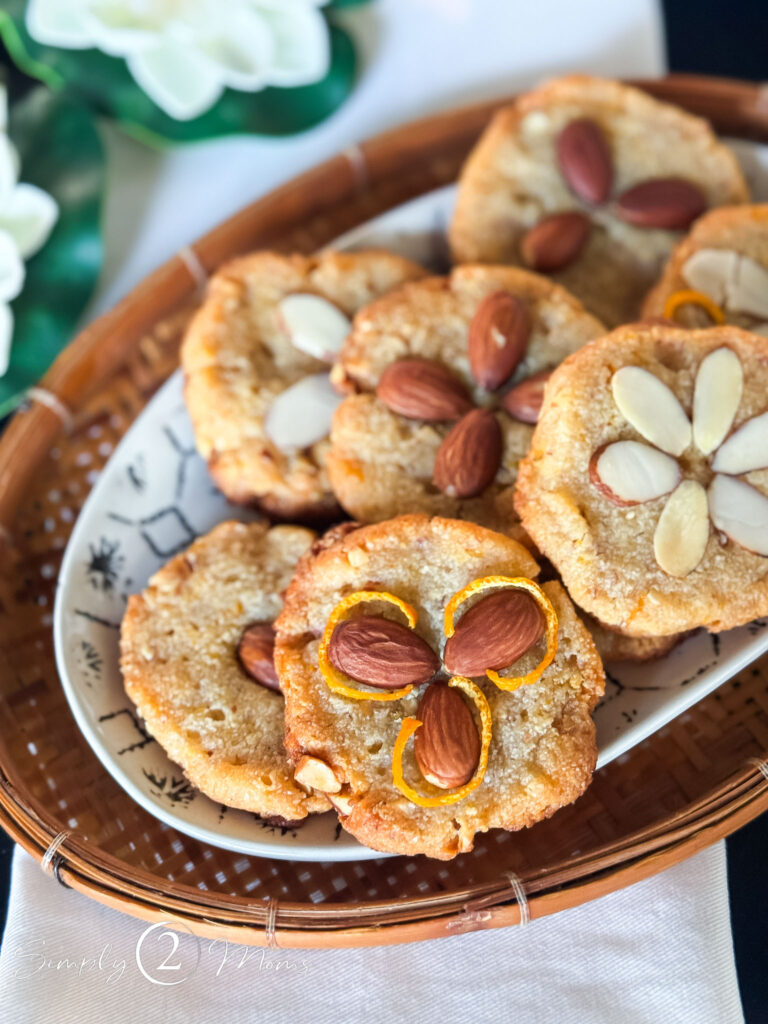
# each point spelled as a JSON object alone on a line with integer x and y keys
{"x": 301, "y": 415}
{"x": 240, "y": 50}
{"x": 59, "y": 23}
{"x": 650, "y": 407}
{"x": 301, "y": 44}
{"x": 120, "y": 29}
{"x": 716, "y": 398}
{"x": 9, "y": 167}
{"x": 746, "y": 450}
{"x": 682, "y": 531}
{"x": 741, "y": 512}
{"x": 6, "y": 334}
{"x": 177, "y": 80}
{"x": 11, "y": 268}
{"x": 28, "y": 216}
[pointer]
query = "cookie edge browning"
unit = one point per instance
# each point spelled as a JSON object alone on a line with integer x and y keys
{"x": 362, "y": 820}
{"x": 536, "y": 504}
{"x": 225, "y": 787}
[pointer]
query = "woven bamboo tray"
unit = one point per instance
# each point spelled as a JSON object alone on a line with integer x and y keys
{"x": 695, "y": 781}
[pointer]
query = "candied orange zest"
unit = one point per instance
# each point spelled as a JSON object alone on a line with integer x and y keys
{"x": 437, "y": 797}
{"x": 545, "y": 605}
{"x": 337, "y": 681}
{"x": 690, "y": 297}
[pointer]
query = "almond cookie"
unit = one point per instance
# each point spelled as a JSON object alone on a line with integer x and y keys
{"x": 449, "y": 373}
{"x": 256, "y": 358}
{"x": 718, "y": 273}
{"x": 592, "y": 181}
{"x": 196, "y": 655}
{"x": 614, "y": 646}
{"x": 433, "y": 690}
{"x": 647, "y": 480}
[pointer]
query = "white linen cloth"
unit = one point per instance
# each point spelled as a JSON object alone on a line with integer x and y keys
{"x": 660, "y": 951}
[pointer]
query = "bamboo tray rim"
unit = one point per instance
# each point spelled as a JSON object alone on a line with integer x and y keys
{"x": 94, "y": 356}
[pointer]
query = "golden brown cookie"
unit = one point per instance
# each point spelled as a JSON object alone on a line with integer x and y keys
{"x": 184, "y": 644}
{"x": 256, "y": 358}
{"x": 448, "y": 374}
{"x": 368, "y": 614}
{"x": 718, "y": 272}
{"x": 647, "y": 480}
{"x": 613, "y": 646}
{"x": 592, "y": 181}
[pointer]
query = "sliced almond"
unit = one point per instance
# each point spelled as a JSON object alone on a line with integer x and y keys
{"x": 630, "y": 473}
{"x": 749, "y": 290}
{"x": 746, "y": 450}
{"x": 316, "y": 774}
{"x": 301, "y": 415}
{"x": 650, "y": 407}
{"x": 709, "y": 271}
{"x": 342, "y": 804}
{"x": 314, "y": 325}
{"x": 682, "y": 531}
{"x": 716, "y": 398}
{"x": 741, "y": 512}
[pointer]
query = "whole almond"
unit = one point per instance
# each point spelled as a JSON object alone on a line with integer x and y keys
{"x": 381, "y": 653}
{"x": 555, "y": 241}
{"x": 446, "y": 745}
{"x": 422, "y": 389}
{"x": 256, "y": 651}
{"x": 671, "y": 203}
{"x": 498, "y": 336}
{"x": 585, "y": 160}
{"x": 494, "y": 633}
{"x": 523, "y": 401}
{"x": 469, "y": 457}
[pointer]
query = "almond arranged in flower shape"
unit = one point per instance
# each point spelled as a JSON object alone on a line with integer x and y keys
{"x": 422, "y": 389}
{"x": 469, "y": 457}
{"x": 314, "y": 325}
{"x": 498, "y": 337}
{"x": 494, "y": 633}
{"x": 447, "y": 744}
{"x": 555, "y": 241}
{"x": 523, "y": 402}
{"x": 630, "y": 473}
{"x": 669, "y": 203}
{"x": 255, "y": 653}
{"x": 585, "y": 160}
{"x": 381, "y": 653}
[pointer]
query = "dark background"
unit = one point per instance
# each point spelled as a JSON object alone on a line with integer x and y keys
{"x": 716, "y": 37}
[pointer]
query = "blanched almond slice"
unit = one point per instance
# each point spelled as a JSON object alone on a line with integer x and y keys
{"x": 650, "y": 407}
{"x": 316, "y": 774}
{"x": 709, "y": 271}
{"x": 629, "y": 472}
{"x": 315, "y": 325}
{"x": 682, "y": 531}
{"x": 749, "y": 290}
{"x": 301, "y": 415}
{"x": 745, "y": 450}
{"x": 716, "y": 398}
{"x": 741, "y": 512}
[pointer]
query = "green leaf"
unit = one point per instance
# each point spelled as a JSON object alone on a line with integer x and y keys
{"x": 61, "y": 152}
{"x": 106, "y": 85}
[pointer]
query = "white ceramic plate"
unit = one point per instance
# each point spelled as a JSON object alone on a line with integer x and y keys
{"x": 155, "y": 496}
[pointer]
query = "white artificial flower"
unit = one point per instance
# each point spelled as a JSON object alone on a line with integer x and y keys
{"x": 184, "y": 53}
{"x": 27, "y": 216}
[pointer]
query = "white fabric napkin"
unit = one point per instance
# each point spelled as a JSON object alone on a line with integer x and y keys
{"x": 658, "y": 951}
